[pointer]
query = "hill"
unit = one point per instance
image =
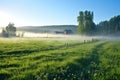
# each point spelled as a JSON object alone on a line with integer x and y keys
{"x": 48, "y": 29}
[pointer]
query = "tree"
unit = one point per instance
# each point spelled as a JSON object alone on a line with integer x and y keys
{"x": 103, "y": 27}
{"x": 80, "y": 20}
{"x": 86, "y": 25}
{"x": 11, "y": 30}
{"x": 114, "y": 24}
{"x": 109, "y": 27}
{"x": 4, "y": 33}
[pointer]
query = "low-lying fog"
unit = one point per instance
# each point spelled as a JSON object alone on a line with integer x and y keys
{"x": 53, "y": 35}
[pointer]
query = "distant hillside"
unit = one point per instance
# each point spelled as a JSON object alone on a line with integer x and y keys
{"x": 48, "y": 29}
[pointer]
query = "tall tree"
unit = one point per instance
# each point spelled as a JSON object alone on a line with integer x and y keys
{"x": 80, "y": 20}
{"x": 86, "y": 25}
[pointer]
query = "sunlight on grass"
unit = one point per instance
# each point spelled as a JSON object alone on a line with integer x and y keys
{"x": 55, "y": 59}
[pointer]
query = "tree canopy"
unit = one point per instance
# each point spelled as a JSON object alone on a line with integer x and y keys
{"x": 86, "y": 25}
{"x": 109, "y": 27}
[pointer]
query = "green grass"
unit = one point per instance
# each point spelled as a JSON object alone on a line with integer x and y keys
{"x": 52, "y": 59}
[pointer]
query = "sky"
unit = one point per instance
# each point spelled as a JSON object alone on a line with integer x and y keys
{"x": 54, "y": 12}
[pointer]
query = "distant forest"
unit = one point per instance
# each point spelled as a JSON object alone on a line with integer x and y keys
{"x": 86, "y": 26}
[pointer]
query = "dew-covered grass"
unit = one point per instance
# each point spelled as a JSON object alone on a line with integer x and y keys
{"x": 59, "y": 59}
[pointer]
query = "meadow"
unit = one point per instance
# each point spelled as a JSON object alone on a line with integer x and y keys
{"x": 59, "y": 59}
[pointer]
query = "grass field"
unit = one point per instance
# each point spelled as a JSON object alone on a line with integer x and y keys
{"x": 52, "y": 59}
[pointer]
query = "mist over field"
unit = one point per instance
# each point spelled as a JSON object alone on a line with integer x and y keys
{"x": 55, "y": 55}
{"x": 73, "y": 36}
{"x": 59, "y": 40}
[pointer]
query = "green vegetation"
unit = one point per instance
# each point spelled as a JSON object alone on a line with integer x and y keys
{"x": 109, "y": 27}
{"x": 86, "y": 26}
{"x": 34, "y": 59}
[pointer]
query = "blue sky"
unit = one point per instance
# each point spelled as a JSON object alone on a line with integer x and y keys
{"x": 54, "y": 12}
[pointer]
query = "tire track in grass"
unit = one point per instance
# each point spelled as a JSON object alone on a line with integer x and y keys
{"x": 86, "y": 68}
{"x": 75, "y": 71}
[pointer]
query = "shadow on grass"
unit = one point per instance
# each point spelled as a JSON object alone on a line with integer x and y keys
{"x": 82, "y": 69}
{"x": 85, "y": 68}
{"x": 4, "y": 76}
{"x": 66, "y": 45}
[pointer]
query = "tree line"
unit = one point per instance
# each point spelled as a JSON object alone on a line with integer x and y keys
{"x": 86, "y": 25}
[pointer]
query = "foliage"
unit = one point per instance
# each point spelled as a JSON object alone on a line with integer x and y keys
{"x": 86, "y": 25}
{"x": 109, "y": 27}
